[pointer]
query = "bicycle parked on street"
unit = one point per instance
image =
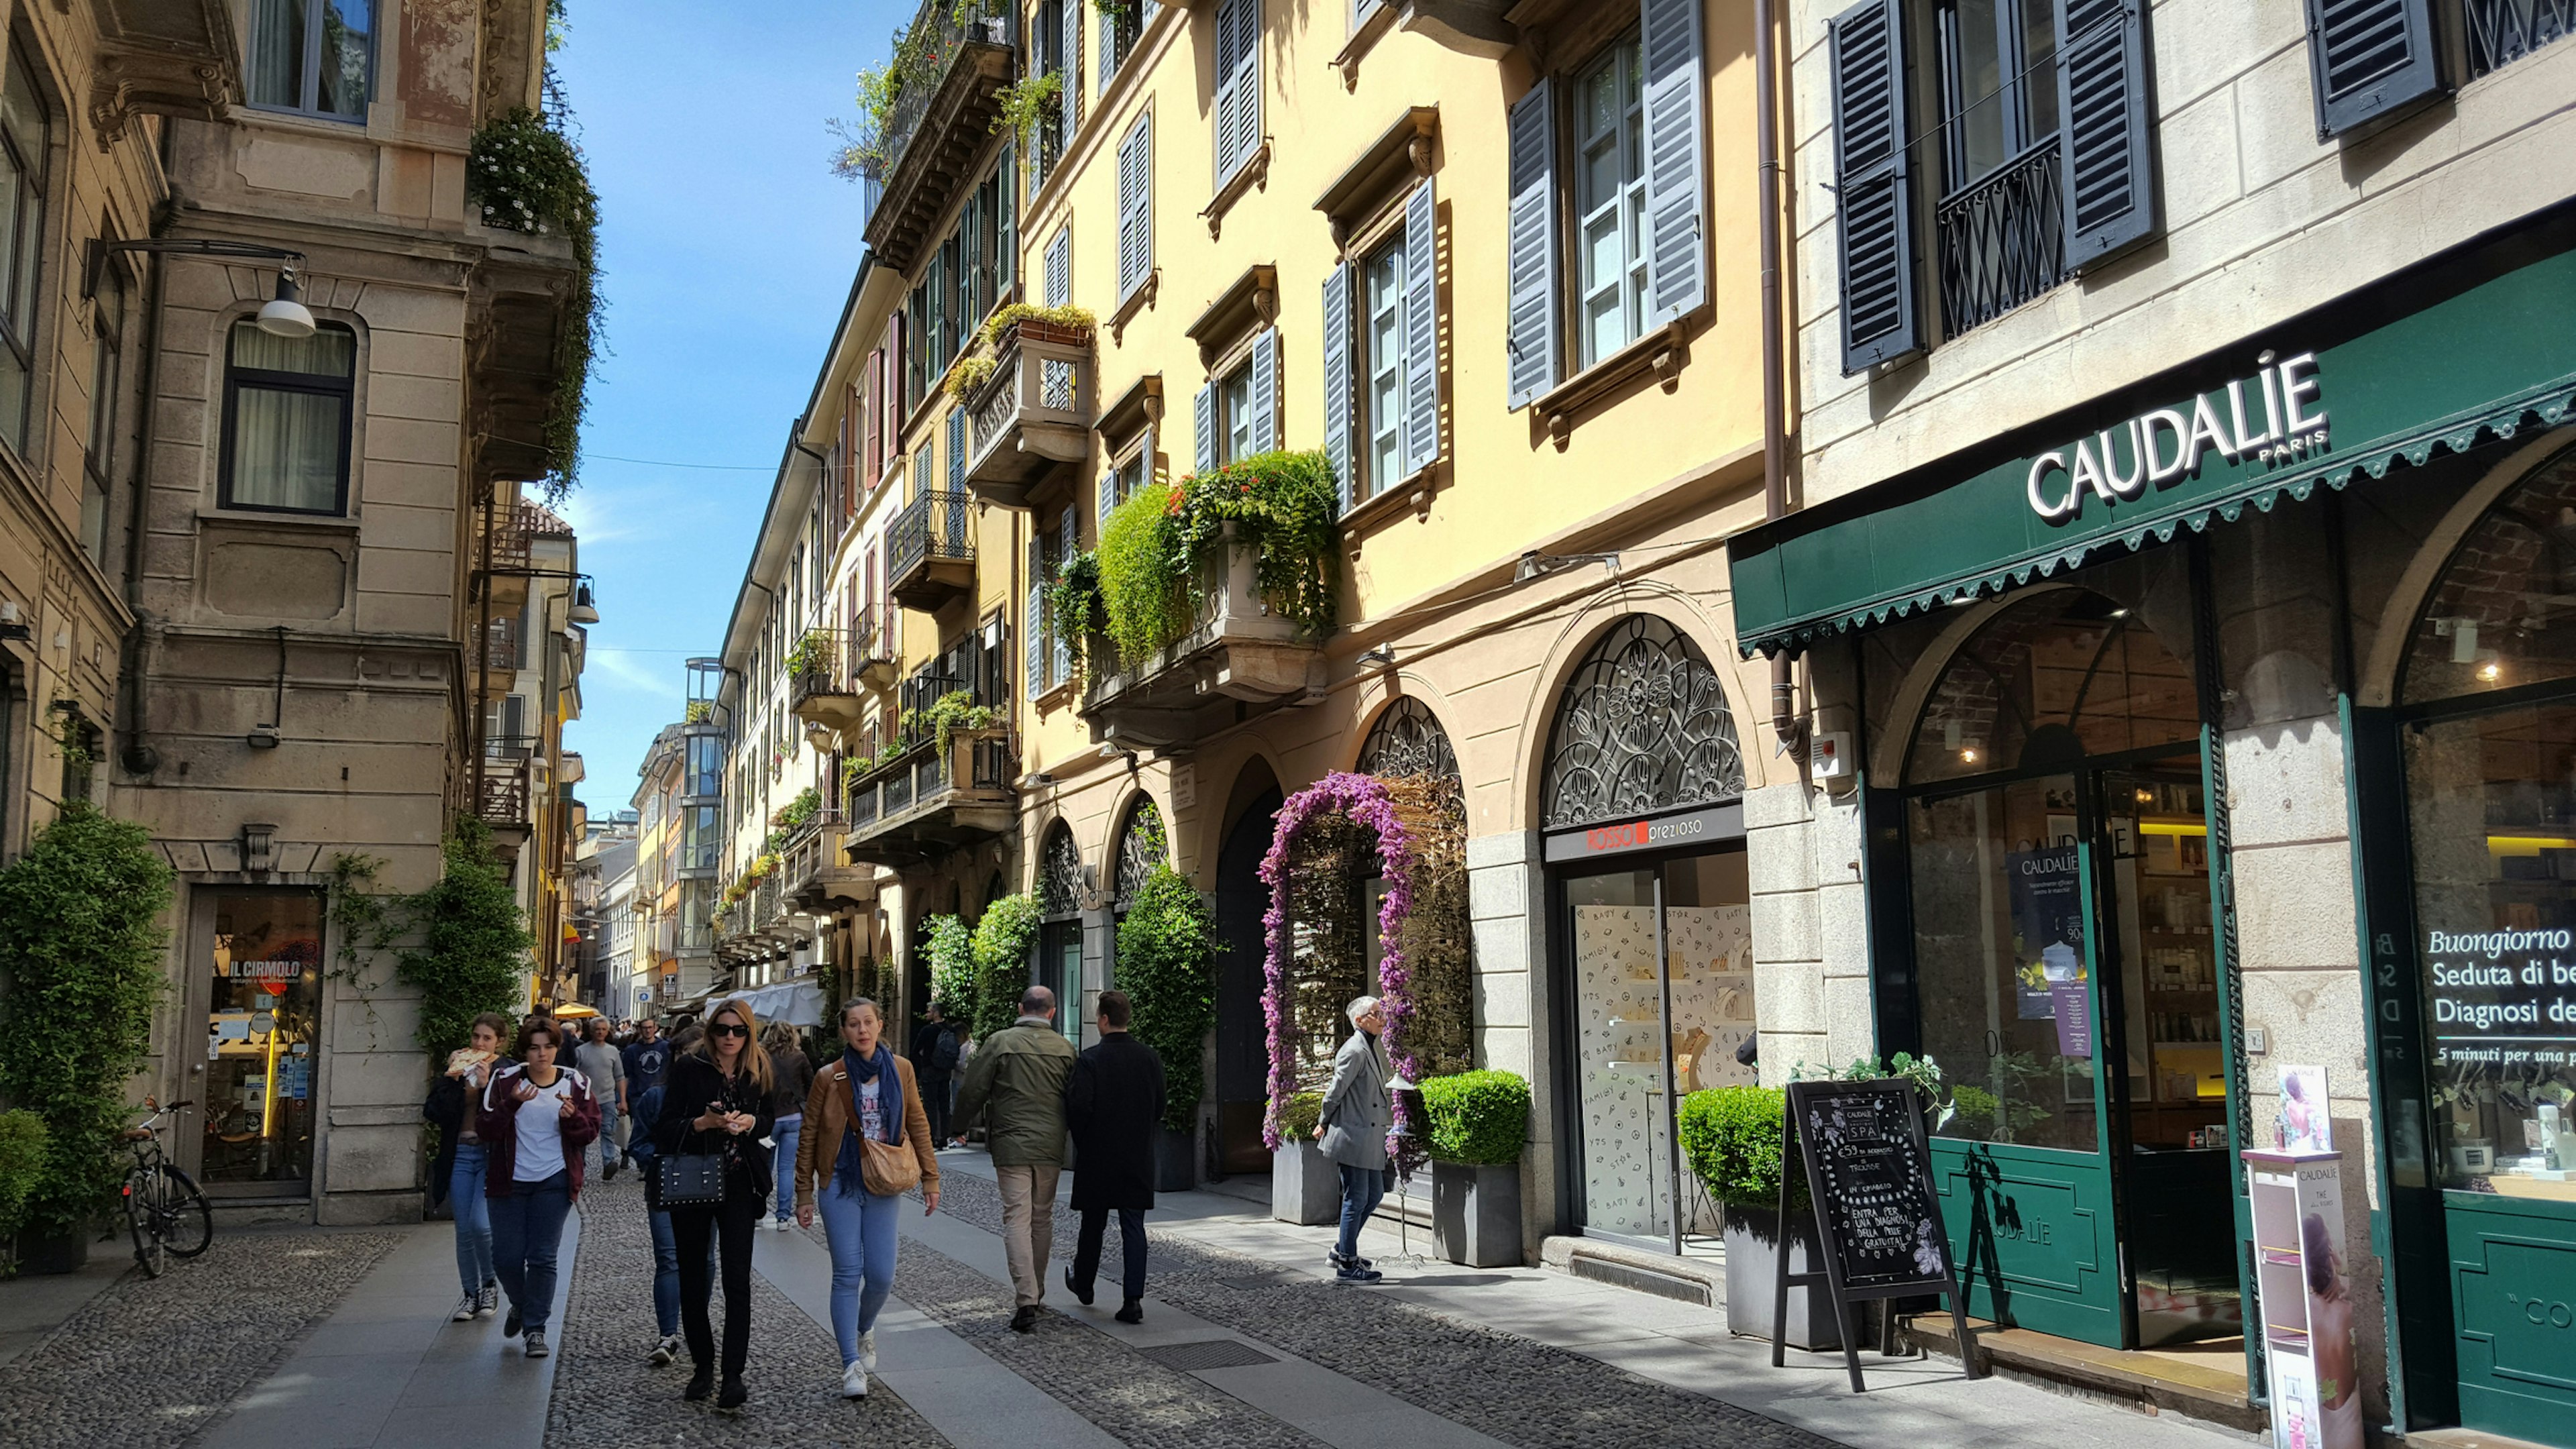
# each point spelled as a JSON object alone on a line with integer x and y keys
{"x": 166, "y": 1212}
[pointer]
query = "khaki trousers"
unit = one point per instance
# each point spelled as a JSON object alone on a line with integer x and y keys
{"x": 1028, "y": 1227}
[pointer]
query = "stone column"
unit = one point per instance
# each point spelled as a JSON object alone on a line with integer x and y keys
{"x": 1507, "y": 907}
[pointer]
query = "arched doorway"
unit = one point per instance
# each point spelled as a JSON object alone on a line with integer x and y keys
{"x": 1060, "y": 894}
{"x": 1242, "y": 1049}
{"x": 2485, "y": 732}
{"x": 1651, "y": 899}
{"x": 2066, "y": 976}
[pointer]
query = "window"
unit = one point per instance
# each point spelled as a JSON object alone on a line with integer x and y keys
{"x": 25, "y": 134}
{"x": 1237, "y": 412}
{"x": 1382, "y": 354}
{"x": 1238, "y": 88}
{"x": 1382, "y": 363}
{"x": 706, "y": 755}
{"x": 1609, "y": 199}
{"x": 1120, "y": 26}
{"x": 1236, "y": 397}
{"x": 1998, "y": 82}
{"x": 107, "y": 379}
{"x": 314, "y": 56}
{"x": 286, "y": 419}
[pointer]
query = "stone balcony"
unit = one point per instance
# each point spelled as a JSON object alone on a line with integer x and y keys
{"x": 821, "y": 685}
{"x": 930, "y": 800}
{"x": 1033, "y": 413}
{"x": 944, "y": 113}
{"x": 1241, "y": 660}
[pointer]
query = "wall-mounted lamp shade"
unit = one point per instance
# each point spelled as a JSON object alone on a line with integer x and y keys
{"x": 585, "y": 610}
{"x": 286, "y": 317}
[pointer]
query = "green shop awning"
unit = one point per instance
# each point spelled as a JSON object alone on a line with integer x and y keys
{"x": 2441, "y": 358}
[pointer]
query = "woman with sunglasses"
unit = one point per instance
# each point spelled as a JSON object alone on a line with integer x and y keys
{"x": 716, "y": 1102}
{"x": 536, "y": 1117}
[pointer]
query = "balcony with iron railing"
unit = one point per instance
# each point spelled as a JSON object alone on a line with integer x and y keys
{"x": 822, "y": 688}
{"x": 935, "y": 790}
{"x": 2002, "y": 239}
{"x": 930, "y": 550}
{"x": 1240, "y": 658}
{"x": 949, "y": 70}
{"x": 1033, "y": 413}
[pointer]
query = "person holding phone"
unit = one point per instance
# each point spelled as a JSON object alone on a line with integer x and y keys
{"x": 536, "y": 1119}
{"x": 458, "y": 1174}
{"x": 716, "y": 1102}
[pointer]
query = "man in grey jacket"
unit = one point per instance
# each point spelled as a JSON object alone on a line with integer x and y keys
{"x": 1352, "y": 1128}
{"x": 1016, "y": 1082}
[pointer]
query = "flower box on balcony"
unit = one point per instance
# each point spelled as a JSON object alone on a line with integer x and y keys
{"x": 1034, "y": 412}
{"x": 1240, "y": 650}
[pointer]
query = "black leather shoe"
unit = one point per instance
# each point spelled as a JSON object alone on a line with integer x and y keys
{"x": 1133, "y": 1311}
{"x": 701, "y": 1384}
{"x": 1080, "y": 1292}
{"x": 733, "y": 1395}
{"x": 510, "y": 1325}
{"x": 1025, "y": 1321}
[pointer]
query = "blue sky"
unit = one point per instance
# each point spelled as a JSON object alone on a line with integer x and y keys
{"x": 727, "y": 248}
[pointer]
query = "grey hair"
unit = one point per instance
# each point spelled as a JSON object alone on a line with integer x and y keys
{"x": 1361, "y": 1006}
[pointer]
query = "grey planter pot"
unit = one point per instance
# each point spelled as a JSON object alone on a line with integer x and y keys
{"x": 1305, "y": 1186}
{"x": 1753, "y": 1249}
{"x": 1176, "y": 1160}
{"x": 1476, "y": 1214}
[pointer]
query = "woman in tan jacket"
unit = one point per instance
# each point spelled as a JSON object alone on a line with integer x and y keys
{"x": 868, "y": 1092}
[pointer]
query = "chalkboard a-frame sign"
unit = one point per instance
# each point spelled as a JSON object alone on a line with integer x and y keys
{"x": 1878, "y": 1222}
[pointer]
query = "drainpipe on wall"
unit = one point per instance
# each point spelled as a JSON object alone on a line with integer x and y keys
{"x": 1786, "y": 726}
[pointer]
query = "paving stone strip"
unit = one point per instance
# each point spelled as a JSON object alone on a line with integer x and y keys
{"x": 1515, "y": 1389}
{"x": 151, "y": 1361}
{"x": 608, "y": 1397}
{"x": 1133, "y": 1399}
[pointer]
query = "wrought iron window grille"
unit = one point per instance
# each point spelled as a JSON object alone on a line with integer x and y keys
{"x": 2002, "y": 239}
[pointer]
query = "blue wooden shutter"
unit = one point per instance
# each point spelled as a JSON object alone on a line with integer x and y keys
{"x": 1265, "y": 391}
{"x": 2370, "y": 58}
{"x": 1238, "y": 85}
{"x": 957, "y": 448}
{"x": 1108, "y": 493}
{"x": 1205, "y": 416}
{"x": 1006, "y": 267}
{"x": 1059, "y": 267}
{"x": 1676, "y": 161}
{"x": 1033, "y": 626}
{"x": 1337, "y": 376}
{"x": 1070, "y": 104}
{"x": 2106, "y": 112}
{"x": 1136, "y": 206}
{"x": 1066, "y": 548}
{"x": 1421, "y": 439}
{"x": 1530, "y": 248}
{"x": 1874, "y": 176}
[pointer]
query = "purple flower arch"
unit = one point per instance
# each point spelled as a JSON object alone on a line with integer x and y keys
{"x": 1365, "y": 801}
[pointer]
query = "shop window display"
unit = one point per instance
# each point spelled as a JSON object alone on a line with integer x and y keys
{"x": 261, "y": 1046}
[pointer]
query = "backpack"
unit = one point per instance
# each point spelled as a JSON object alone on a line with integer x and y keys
{"x": 943, "y": 1057}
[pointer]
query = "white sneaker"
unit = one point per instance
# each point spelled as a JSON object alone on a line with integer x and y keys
{"x": 666, "y": 1351}
{"x": 781, "y": 1224}
{"x": 868, "y": 1350}
{"x": 465, "y": 1309}
{"x": 854, "y": 1381}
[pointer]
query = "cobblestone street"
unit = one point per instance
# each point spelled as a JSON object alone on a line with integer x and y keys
{"x": 1244, "y": 1344}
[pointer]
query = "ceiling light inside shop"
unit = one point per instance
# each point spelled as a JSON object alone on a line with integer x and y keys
{"x": 1967, "y": 757}
{"x": 2490, "y": 673}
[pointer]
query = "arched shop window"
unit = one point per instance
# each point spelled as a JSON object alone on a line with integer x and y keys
{"x": 1408, "y": 740}
{"x": 1141, "y": 847}
{"x": 2490, "y": 750}
{"x": 2053, "y": 679}
{"x": 1060, "y": 874}
{"x": 1643, "y": 727}
{"x": 1061, "y": 891}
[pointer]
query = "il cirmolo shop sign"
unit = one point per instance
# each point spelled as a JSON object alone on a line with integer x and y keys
{"x": 2436, "y": 362}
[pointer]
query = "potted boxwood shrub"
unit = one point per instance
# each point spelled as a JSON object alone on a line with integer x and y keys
{"x": 1479, "y": 1123}
{"x": 1305, "y": 1187}
{"x": 1731, "y": 1136}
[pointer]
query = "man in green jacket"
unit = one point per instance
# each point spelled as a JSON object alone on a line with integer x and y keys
{"x": 1019, "y": 1075}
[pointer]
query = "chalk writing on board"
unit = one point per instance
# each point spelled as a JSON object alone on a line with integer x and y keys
{"x": 1878, "y": 1211}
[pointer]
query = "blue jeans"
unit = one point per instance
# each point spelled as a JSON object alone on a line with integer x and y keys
{"x": 607, "y": 1134}
{"x": 527, "y": 1227}
{"x": 1362, "y": 1188}
{"x": 473, "y": 1218}
{"x": 785, "y": 1134}
{"x": 666, "y": 1276}
{"x": 861, "y": 1229}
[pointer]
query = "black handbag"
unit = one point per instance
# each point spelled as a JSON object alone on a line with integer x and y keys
{"x": 688, "y": 1179}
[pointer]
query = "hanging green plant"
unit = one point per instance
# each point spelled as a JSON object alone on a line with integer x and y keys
{"x": 1028, "y": 104}
{"x": 1004, "y": 937}
{"x": 954, "y": 980}
{"x": 80, "y": 945}
{"x": 956, "y": 710}
{"x": 528, "y": 176}
{"x": 1282, "y": 508}
{"x": 807, "y": 804}
{"x": 810, "y": 653}
{"x": 469, "y": 941}
{"x": 1167, "y": 947}
{"x": 1072, "y": 606}
{"x": 966, "y": 378}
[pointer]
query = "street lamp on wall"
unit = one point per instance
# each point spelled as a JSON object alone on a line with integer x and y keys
{"x": 283, "y": 315}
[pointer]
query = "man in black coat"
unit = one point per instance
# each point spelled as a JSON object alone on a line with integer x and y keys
{"x": 934, "y": 1061}
{"x": 1113, "y": 1105}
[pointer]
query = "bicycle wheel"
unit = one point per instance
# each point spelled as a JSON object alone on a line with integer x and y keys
{"x": 187, "y": 1219}
{"x": 143, "y": 1219}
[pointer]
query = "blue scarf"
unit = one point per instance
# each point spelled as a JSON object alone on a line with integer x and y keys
{"x": 845, "y": 1167}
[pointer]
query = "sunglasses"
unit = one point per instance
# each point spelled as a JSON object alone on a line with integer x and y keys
{"x": 728, "y": 1029}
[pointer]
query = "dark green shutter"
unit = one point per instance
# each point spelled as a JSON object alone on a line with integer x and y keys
{"x": 2370, "y": 58}
{"x": 1874, "y": 184}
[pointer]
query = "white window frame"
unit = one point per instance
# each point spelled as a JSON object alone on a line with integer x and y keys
{"x": 308, "y": 70}
{"x": 1380, "y": 404}
{"x": 1621, "y": 211}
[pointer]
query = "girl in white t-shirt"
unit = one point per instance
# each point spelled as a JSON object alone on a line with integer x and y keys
{"x": 536, "y": 1118}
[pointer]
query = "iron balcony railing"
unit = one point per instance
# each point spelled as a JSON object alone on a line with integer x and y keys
{"x": 2002, "y": 239}
{"x": 502, "y": 797}
{"x": 932, "y": 43}
{"x": 937, "y": 525}
{"x": 2500, "y": 32}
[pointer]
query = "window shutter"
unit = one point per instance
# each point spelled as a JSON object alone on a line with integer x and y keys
{"x": 1676, "y": 161}
{"x": 1337, "y": 377}
{"x": 1205, "y": 410}
{"x": 871, "y": 402}
{"x": 1530, "y": 247}
{"x": 1033, "y": 625}
{"x": 2369, "y": 58}
{"x": 1006, "y": 267}
{"x": 1238, "y": 91}
{"x": 1874, "y": 178}
{"x": 1136, "y": 206}
{"x": 2107, "y": 115}
{"x": 1265, "y": 391}
{"x": 1069, "y": 108}
{"x": 1108, "y": 492}
{"x": 1422, "y": 330}
{"x": 1059, "y": 268}
{"x": 1069, "y": 545}
{"x": 956, "y": 461}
